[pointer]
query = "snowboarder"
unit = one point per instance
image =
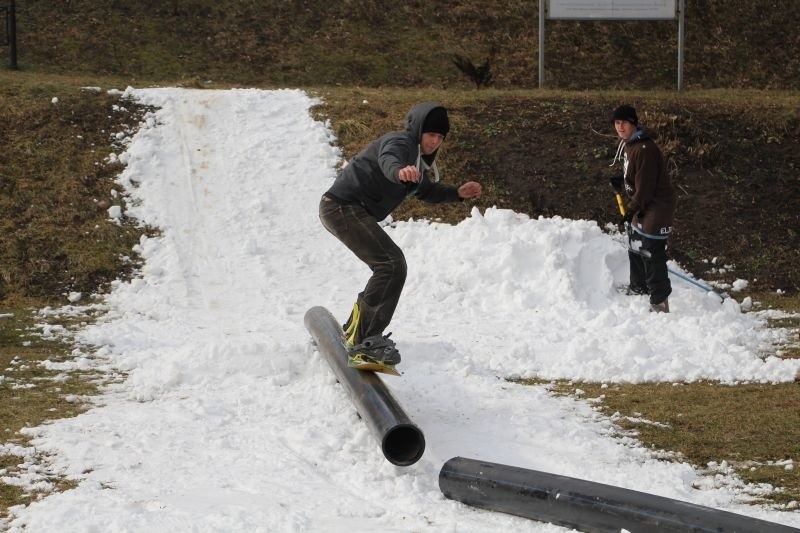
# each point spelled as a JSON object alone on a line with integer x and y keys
{"x": 375, "y": 182}
{"x": 650, "y": 209}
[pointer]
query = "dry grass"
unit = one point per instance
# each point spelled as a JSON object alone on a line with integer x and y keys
{"x": 30, "y": 394}
{"x": 754, "y": 428}
{"x": 729, "y": 43}
{"x": 55, "y": 238}
{"x": 56, "y": 185}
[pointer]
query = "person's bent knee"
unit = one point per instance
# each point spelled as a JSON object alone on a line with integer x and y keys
{"x": 394, "y": 267}
{"x": 399, "y": 268}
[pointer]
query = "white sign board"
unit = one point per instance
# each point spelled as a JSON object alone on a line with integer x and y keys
{"x": 611, "y": 9}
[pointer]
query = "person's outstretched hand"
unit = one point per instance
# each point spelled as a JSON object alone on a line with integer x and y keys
{"x": 471, "y": 189}
{"x": 409, "y": 173}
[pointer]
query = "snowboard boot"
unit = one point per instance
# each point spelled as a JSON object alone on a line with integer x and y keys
{"x": 662, "y": 307}
{"x": 376, "y": 349}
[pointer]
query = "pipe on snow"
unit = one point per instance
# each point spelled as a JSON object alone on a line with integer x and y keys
{"x": 583, "y": 505}
{"x": 402, "y": 442}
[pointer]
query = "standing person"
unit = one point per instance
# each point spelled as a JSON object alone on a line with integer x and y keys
{"x": 650, "y": 208}
{"x": 394, "y": 166}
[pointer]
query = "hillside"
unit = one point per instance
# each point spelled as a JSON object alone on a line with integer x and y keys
{"x": 728, "y": 43}
{"x": 733, "y": 155}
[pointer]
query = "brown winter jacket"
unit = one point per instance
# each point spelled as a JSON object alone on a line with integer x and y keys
{"x": 651, "y": 197}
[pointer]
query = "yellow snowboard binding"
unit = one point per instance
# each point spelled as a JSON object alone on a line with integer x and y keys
{"x": 376, "y": 353}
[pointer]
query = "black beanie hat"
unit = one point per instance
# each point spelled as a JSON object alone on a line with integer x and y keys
{"x": 436, "y": 121}
{"x": 625, "y": 112}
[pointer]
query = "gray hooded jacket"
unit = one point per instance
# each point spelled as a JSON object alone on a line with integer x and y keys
{"x": 372, "y": 177}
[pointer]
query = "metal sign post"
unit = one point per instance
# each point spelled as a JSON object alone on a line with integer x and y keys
{"x": 611, "y": 10}
{"x": 11, "y": 31}
{"x": 681, "y": 11}
{"x": 541, "y": 43}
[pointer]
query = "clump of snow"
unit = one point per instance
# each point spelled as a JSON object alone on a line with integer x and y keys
{"x": 74, "y": 297}
{"x": 740, "y": 285}
{"x": 115, "y": 212}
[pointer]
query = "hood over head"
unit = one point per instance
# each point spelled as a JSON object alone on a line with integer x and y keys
{"x": 427, "y": 117}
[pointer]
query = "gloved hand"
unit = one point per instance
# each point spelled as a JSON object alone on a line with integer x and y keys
{"x": 627, "y": 217}
{"x": 616, "y": 183}
{"x": 625, "y": 221}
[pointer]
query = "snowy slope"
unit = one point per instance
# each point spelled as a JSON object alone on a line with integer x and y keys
{"x": 229, "y": 420}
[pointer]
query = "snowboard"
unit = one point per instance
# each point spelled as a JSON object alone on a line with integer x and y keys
{"x": 369, "y": 366}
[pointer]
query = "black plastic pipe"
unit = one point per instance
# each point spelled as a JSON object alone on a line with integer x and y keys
{"x": 402, "y": 442}
{"x": 584, "y": 505}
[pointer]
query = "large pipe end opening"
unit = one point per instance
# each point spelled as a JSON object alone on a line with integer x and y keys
{"x": 403, "y": 445}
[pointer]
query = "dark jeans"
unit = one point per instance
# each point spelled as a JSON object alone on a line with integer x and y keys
{"x": 360, "y": 232}
{"x": 649, "y": 267}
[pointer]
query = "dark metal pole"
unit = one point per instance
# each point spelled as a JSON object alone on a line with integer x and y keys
{"x": 584, "y": 505}
{"x": 12, "y": 32}
{"x": 401, "y": 441}
{"x": 681, "y": 33}
{"x": 541, "y": 42}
